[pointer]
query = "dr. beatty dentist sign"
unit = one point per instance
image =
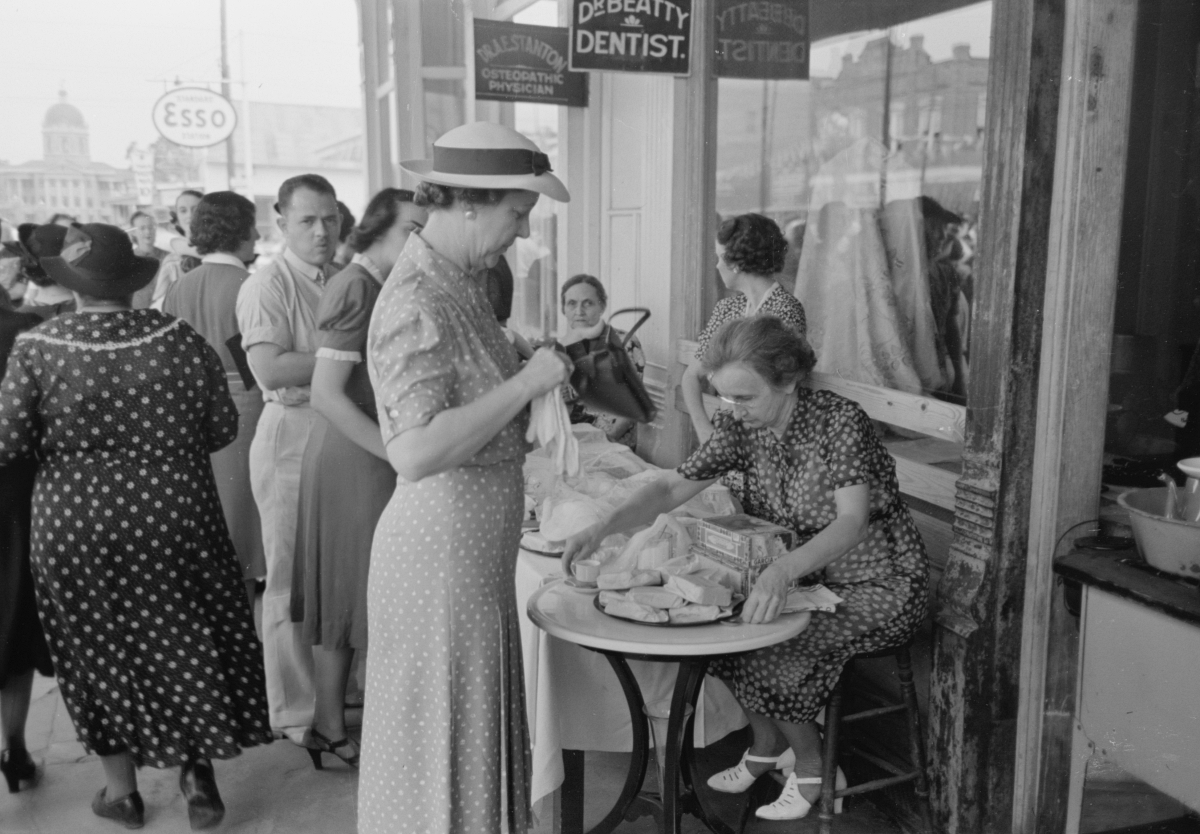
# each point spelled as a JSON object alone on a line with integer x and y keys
{"x": 632, "y": 35}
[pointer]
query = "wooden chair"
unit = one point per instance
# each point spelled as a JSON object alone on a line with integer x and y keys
{"x": 834, "y": 719}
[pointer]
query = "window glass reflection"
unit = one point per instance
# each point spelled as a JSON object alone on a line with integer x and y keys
{"x": 872, "y": 168}
{"x": 534, "y": 260}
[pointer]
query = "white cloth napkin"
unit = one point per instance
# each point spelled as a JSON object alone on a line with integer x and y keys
{"x": 549, "y": 423}
{"x": 812, "y": 598}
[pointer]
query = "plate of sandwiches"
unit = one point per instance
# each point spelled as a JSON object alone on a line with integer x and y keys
{"x": 653, "y": 598}
{"x": 535, "y": 542}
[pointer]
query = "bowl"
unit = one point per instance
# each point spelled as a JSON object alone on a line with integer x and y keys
{"x": 1169, "y": 545}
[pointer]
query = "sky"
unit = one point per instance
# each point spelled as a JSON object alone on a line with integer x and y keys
{"x": 116, "y": 57}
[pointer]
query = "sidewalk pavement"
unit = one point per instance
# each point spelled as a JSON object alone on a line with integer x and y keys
{"x": 274, "y": 789}
{"x": 271, "y": 789}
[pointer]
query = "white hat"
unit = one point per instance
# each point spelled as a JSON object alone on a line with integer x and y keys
{"x": 488, "y": 155}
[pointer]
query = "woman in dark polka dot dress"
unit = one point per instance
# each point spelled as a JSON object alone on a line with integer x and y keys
{"x": 811, "y": 462}
{"x": 137, "y": 581}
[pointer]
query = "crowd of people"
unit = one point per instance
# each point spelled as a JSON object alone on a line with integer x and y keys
{"x": 220, "y": 484}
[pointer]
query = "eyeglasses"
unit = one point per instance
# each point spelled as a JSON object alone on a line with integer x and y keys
{"x": 745, "y": 402}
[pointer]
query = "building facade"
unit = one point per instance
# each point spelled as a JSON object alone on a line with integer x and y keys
{"x": 66, "y": 179}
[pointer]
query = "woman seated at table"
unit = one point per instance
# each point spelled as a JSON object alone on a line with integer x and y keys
{"x": 583, "y": 304}
{"x": 811, "y": 462}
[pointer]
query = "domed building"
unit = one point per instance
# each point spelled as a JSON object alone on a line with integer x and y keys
{"x": 66, "y": 180}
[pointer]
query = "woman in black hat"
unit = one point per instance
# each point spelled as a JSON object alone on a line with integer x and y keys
{"x": 42, "y": 297}
{"x": 138, "y": 584}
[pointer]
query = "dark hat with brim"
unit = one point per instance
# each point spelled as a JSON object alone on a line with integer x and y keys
{"x": 94, "y": 259}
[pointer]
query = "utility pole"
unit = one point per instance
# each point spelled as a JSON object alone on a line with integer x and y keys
{"x": 230, "y": 165}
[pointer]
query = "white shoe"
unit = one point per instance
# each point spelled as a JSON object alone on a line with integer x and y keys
{"x": 738, "y": 778}
{"x": 791, "y": 805}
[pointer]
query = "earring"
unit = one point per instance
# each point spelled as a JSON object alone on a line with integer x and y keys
{"x": 469, "y": 214}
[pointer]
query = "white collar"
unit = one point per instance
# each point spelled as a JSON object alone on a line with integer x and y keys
{"x": 369, "y": 265}
{"x": 315, "y": 274}
{"x": 225, "y": 258}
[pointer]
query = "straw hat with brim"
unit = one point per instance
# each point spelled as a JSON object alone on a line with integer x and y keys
{"x": 488, "y": 155}
{"x": 95, "y": 259}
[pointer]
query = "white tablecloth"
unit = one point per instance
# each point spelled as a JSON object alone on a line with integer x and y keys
{"x": 575, "y": 701}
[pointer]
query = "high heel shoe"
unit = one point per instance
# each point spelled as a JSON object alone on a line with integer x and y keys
{"x": 791, "y": 805}
{"x": 129, "y": 810}
{"x": 17, "y": 767}
{"x": 198, "y": 784}
{"x": 316, "y": 744}
{"x": 738, "y": 778}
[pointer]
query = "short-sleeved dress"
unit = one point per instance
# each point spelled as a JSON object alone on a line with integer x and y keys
{"x": 829, "y": 444}
{"x": 207, "y": 301}
{"x": 137, "y": 582}
{"x": 778, "y": 302}
{"x": 343, "y": 487}
{"x": 445, "y": 740}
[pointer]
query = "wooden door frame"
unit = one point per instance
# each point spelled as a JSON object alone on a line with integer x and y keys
{"x": 1081, "y": 285}
{"x": 977, "y": 623}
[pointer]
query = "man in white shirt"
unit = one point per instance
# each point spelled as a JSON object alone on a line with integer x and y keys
{"x": 277, "y": 312}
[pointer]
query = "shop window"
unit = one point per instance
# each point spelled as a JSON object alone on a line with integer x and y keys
{"x": 534, "y": 260}
{"x": 386, "y": 45}
{"x": 443, "y": 33}
{"x": 445, "y": 107}
{"x": 872, "y": 168}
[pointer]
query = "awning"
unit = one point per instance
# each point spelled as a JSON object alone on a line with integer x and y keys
{"x": 835, "y": 17}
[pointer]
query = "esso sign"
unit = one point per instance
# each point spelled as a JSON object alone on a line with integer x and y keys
{"x": 194, "y": 117}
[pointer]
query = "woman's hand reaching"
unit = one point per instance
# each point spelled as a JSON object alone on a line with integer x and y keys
{"x": 581, "y": 546}
{"x": 545, "y": 371}
{"x": 768, "y": 596}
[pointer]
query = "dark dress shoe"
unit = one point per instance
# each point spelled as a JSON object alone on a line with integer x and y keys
{"x": 17, "y": 767}
{"x": 199, "y": 786}
{"x": 129, "y": 810}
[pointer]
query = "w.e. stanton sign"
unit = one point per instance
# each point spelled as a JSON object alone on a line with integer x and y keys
{"x": 519, "y": 62}
{"x": 632, "y": 35}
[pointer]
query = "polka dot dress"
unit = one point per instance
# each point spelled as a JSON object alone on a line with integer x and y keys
{"x": 445, "y": 743}
{"x": 829, "y": 444}
{"x": 138, "y": 585}
{"x": 778, "y": 303}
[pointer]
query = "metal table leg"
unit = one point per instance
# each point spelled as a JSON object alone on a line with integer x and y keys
{"x": 572, "y": 812}
{"x": 681, "y": 795}
{"x": 680, "y": 761}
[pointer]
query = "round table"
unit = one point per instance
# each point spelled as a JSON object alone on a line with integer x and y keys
{"x": 571, "y": 615}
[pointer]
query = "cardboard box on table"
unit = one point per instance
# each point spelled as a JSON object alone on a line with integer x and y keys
{"x": 740, "y": 547}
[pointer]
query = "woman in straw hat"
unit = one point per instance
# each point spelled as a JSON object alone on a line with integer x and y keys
{"x": 445, "y": 743}
{"x": 137, "y": 581}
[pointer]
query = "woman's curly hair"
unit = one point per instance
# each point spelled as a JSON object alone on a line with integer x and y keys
{"x": 433, "y": 196}
{"x": 753, "y": 244}
{"x": 222, "y": 222}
